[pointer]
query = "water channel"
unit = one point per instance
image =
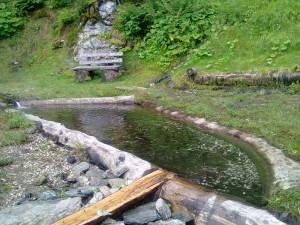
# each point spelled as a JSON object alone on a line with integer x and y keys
{"x": 219, "y": 163}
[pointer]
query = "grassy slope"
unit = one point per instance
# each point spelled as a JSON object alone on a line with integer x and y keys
{"x": 263, "y": 37}
{"x": 272, "y": 114}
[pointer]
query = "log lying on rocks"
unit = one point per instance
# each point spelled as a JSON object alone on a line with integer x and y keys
{"x": 74, "y": 101}
{"x": 271, "y": 79}
{"x": 119, "y": 163}
{"x": 120, "y": 200}
{"x": 209, "y": 208}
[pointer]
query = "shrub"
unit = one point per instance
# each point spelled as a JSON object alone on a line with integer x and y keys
{"x": 65, "y": 16}
{"x": 169, "y": 28}
{"x": 27, "y": 5}
{"x": 60, "y": 3}
{"x": 10, "y": 20}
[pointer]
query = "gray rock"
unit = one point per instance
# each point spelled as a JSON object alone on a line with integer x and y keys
{"x": 105, "y": 191}
{"x": 94, "y": 174}
{"x": 94, "y": 171}
{"x": 107, "y": 11}
{"x": 40, "y": 180}
{"x": 72, "y": 177}
{"x": 71, "y": 159}
{"x": 83, "y": 181}
{"x": 47, "y": 195}
{"x": 81, "y": 191}
{"x": 109, "y": 75}
{"x": 117, "y": 223}
{"x": 39, "y": 212}
{"x": 81, "y": 168}
{"x": 113, "y": 190}
{"x": 108, "y": 221}
{"x": 91, "y": 28}
{"x": 168, "y": 222}
{"x": 73, "y": 193}
{"x": 2, "y": 104}
{"x": 116, "y": 183}
{"x": 30, "y": 130}
{"x": 142, "y": 214}
{"x": 182, "y": 216}
{"x": 163, "y": 209}
{"x": 96, "y": 198}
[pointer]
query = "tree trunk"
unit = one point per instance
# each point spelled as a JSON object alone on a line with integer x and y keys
{"x": 210, "y": 208}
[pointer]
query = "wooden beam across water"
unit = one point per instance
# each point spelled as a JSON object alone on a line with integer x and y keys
{"x": 120, "y": 200}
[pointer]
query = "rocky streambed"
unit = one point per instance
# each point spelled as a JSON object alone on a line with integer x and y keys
{"x": 47, "y": 182}
{"x": 44, "y": 176}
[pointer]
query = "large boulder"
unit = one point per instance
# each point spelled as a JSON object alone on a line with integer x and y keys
{"x": 39, "y": 212}
{"x": 107, "y": 12}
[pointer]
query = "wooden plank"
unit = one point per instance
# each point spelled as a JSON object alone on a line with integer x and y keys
{"x": 111, "y": 54}
{"x": 104, "y": 61}
{"x": 120, "y": 200}
{"x": 89, "y": 68}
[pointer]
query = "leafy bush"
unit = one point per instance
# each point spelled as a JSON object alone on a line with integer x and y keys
{"x": 60, "y": 3}
{"x": 169, "y": 28}
{"x": 27, "y": 5}
{"x": 65, "y": 16}
{"x": 10, "y": 20}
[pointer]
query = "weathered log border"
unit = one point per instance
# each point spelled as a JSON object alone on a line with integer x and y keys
{"x": 273, "y": 78}
{"x": 75, "y": 101}
{"x": 120, "y": 163}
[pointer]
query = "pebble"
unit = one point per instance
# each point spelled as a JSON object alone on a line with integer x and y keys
{"x": 71, "y": 159}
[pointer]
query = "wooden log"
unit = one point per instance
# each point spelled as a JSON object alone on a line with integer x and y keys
{"x": 209, "y": 208}
{"x": 120, "y": 200}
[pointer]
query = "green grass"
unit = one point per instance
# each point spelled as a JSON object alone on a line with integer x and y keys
{"x": 5, "y": 159}
{"x": 11, "y": 129}
{"x": 287, "y": 201}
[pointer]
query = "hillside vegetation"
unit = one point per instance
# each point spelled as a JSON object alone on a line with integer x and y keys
{"x": 217, "y": 36}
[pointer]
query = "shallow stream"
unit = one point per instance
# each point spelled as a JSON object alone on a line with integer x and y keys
{"x": 222, "y": 164}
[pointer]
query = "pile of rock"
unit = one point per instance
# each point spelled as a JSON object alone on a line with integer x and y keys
{"x": 151, "y": 213}
{"x": 85, "y": 180}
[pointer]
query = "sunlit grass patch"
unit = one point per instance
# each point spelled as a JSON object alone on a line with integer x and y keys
{"x": 287, "y": 201}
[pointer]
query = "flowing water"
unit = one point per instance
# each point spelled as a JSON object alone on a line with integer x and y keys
{"x": 218, "y": 163}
